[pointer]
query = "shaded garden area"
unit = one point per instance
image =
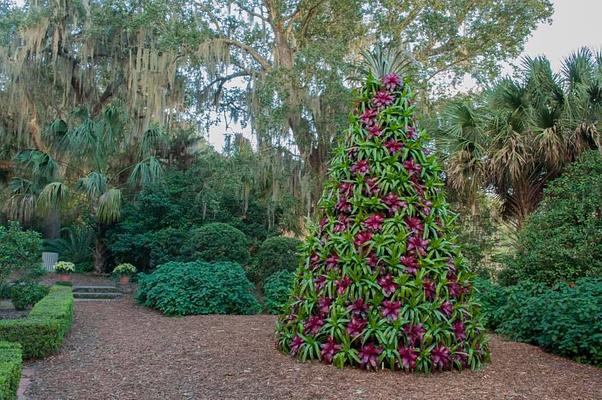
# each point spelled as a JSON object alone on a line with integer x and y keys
{"x": 119, "y": 350}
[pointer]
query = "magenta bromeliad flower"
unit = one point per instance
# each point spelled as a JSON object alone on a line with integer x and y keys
{"x": 391, "y": 81}
{"x": 373, "y": 259}
{"x": 414, "y": 333}
{"x": 332, "y": 261}
{"x": 459, "y": 331}
{"x": 313, "y": 325}
{"x": 329, "y": 349}
{"x": 343, "y": 205}
{"x": 324, "y": 305}
{"x": 414, "y": 224}
{"x": 356, "y": 326}
{"x": 412, "y": 167}
{"x": 429, "y": 289}
{"x": 393, "y": 202}
{"x": 314, "y": 261}
{"x": 393, "y": 145}
{"x": 408, "y": 356}
{"x": 296, "y": 344}
{"x": 411, "y": 132}
{"x": 319, "y": 282}
{"x": 346, "y": 188}
{"x": 368, "y": 116}
{"x": 382, "y": 99}
{"x": 371, "y": 187}
{"x": 374, "y": 130}
{"x": 440, "y": 357}
{"x": 374, "y": 222}
{"x": 410, "y": 263}
{"x": 323, "y": 223}
{"x": 387, "y": 285}
{"x": 343, "y": 284}
{"x": 455, "y": 290}
{"x": 390, "y": 309}
{"x": 369, "y": 355}
{"x": 362, "y": 237}
{"x": 361, "y": 167}
{"x": 447, "y": 308}
{"x": 417, "y": 244}
{"x": 358, "y": 307}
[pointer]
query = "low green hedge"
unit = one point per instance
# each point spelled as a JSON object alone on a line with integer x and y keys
{"x": 564, "y": 320}
{"x": 10, "y": 370}
{"x": 277, "y": 290}
{"x": 42, "y": 332}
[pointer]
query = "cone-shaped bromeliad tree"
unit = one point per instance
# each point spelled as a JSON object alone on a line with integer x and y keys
{"x": 383, "y": 284}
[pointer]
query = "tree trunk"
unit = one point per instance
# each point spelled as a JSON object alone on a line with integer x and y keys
{"x": 99, "y": 256}
{"x": 52, "y": 225}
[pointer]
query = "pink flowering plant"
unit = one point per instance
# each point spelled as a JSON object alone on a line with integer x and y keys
{"x": 383, "y": 285}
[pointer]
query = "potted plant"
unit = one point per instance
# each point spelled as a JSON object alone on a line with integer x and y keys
{"x": 64, "y": 269}
{"x": 124, "y": 270}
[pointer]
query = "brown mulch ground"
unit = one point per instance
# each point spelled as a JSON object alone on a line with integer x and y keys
{"x": 118, "y": 350}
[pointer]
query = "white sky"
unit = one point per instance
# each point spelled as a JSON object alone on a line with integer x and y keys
{"x": 575, "y": 24}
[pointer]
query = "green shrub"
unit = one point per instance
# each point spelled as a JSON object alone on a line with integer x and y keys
{"x": 565, "y": 321}
{"x": 198, "y": 287}
{"x": 19, "y": 250}
{"x": 561, "y": 242}
{"x": 5, "y": 288}
{"x": 25, "y": 295}
{"x": 275, "y": 254}
{"x": 10, "y": 369}
{"x": 218, "y": 242}
{"x": 42, "y": 332}
{"x": 277, "y": 289}
{"x": 492, "y": 298}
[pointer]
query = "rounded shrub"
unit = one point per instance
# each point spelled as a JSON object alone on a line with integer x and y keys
{"x": 561, "y": 242}
{"x": 278, "y": 253}
{"x": 218, "y": 242}
{"x": 24, "y": 295}
{"x": 277, "y": 289}
{"x": 198, "y": 287}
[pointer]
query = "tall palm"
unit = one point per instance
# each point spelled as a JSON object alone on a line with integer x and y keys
{"x": 95, "y": 158}
{"x": 525, "y": 131}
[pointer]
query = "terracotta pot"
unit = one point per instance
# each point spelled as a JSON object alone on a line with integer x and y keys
{"x": 64, "y": 277}
{"x": 124, "y": 279}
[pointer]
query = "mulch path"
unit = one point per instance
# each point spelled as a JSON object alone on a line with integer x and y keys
{"x": 118, "y": 350}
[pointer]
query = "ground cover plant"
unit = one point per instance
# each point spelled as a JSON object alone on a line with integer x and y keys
{"x": 42, "y": 332}
{"x": 383, "y": 284}
{"x": 198, "y": 287}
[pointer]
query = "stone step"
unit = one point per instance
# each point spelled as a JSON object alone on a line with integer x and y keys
{"x": 97, "y": 295}
{"x": 95, "y": 289}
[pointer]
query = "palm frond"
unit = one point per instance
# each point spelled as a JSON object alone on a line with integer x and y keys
{"x": 40, "y": 164}
{"x": 380, "y": 62}
{"x": 94, "y": 184}
{"x": 52, "y": 196}
{"x": 146, "y": 172}
{"x": 109, "y": 206}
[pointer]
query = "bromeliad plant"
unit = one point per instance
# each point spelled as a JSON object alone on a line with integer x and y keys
{"x": 383, "y": 285}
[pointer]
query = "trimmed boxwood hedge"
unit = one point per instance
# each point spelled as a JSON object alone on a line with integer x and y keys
{"x": 42, "y": 332}
{"x": 10, "y": 369}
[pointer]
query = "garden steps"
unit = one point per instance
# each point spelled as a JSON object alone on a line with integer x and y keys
{"x": 96, "y": 292}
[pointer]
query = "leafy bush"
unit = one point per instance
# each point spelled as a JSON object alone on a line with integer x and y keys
{"x": 277, "y": 289}
{"x": 42, "y": 332}
{"x": 218, "y": 242}
{"x": 64, "y": 267}
{"x": 125, "y": 269}
{"x": 198, "y": 287}
{"x": 492, "y": 298}
{"x": 76, "y": 245}
{"x": 561, "y": 242}
{"x": 275, "y": 254}
{"x": 563, "y": 320}
{"x": 24, "y": 295}
{"x": 5, "y": 288}
{"x": 19, "y": 250}
{"x": 11, "y": 363}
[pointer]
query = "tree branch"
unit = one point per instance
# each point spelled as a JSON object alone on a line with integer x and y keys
{"x": 265, "y": 64}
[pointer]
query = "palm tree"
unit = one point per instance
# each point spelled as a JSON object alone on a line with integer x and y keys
{"x": 525, "y": 130}
{"x": 93, "y": 160}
